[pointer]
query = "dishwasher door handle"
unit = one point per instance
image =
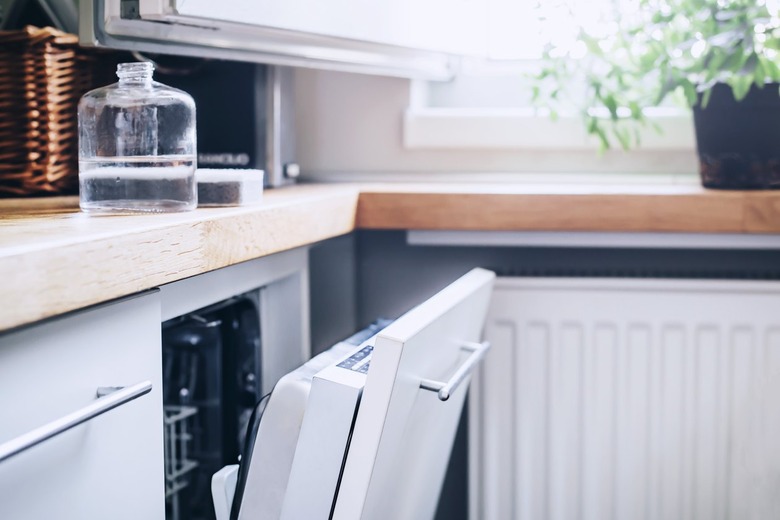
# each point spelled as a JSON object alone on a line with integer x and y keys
{"x": 108, "y": 399}
{"x": 444, "y": 390}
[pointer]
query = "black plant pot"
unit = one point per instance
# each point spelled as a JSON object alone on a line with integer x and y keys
{"x": 739, "y": 142}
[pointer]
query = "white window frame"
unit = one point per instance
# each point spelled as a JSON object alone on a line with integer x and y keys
{"x": 524, "y": 129}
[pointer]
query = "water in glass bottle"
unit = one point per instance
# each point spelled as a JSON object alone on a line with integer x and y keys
{"x": 137, "y": 145}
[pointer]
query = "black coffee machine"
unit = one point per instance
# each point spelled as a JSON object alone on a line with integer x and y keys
{"x": 244, "y": 113}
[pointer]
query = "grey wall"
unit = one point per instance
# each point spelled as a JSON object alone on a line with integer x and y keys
{"x": 353, "y": 123}
{"x": 333, "y": 291}
{"x": 394, "y": 276}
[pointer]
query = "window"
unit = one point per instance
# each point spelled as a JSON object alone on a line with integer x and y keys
{"x": 488, "y": 105}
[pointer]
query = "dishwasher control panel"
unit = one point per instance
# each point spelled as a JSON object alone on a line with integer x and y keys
{"x": 359, "y": 361}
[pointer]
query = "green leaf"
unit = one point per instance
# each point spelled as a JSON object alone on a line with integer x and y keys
{"x": 705, "y": 99}
{"x": 749, "y": 67}
{"x": 611, "y": 104}
{"x": 772, "y": 43}
{"x": 592, "y": 125}
{"x": 623, "y": 137}
{"x": 689, "y": 89}
{"x": 741, "y": 86}
{"x": 603, "y": 139}
{"x": 715, "y": 60}
{"x": 735, "y": 62}
{"x": 726, "y": 40}
{"x": 668, "y": 85}
{"x": 771, "y": 69}
{"x": 591, "y": 44}
{"x": 636, "y": 110}
{"x": 759, "y": 74}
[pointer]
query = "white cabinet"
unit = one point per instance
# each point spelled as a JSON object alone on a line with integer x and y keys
{"x": 110, "y": 467}
{"x": 437, "y": 25}
{"x": 409, "y": 38}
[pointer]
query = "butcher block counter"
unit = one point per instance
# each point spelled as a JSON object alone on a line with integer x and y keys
{"x": 54, "y": 259}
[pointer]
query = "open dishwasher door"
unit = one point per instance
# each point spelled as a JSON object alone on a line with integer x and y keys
{"x": 406, "y": 423}
{"x": 375, "y": 436}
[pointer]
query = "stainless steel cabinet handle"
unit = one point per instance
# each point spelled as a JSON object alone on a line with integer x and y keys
{"x": 110, "y": 399}
{"x": 478, "y": 351}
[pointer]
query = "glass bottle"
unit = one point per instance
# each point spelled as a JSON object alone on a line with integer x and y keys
{"x": 137, "y": 145}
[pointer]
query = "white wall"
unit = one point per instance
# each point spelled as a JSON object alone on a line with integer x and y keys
{"x": 350, "y": 125}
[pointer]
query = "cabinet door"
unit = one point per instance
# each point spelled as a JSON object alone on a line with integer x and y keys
{"x": 110, "y": 467}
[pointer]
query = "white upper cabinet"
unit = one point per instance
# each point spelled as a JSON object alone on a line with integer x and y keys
{"x": 415, "y": 38}
{"x": 435, "y": 25}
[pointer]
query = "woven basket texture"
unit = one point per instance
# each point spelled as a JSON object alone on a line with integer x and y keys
{"x": 43, "y": 74}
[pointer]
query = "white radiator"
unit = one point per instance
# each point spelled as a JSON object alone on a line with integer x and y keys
{"x": 613, "y": 399}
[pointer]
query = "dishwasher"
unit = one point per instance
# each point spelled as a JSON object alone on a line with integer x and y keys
{"x": 365, "y": 429}
{"x": 211, "y": 382}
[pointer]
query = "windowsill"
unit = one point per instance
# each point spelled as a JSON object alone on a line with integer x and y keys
{"x": 522, "y": 129}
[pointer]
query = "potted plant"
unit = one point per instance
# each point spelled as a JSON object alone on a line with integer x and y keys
{"x": 720, "y": 57}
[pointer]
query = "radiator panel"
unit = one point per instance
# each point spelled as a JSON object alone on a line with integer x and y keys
{"x": 628, "y": 400}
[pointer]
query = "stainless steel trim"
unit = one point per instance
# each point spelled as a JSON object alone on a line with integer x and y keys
{"x": 224, "y": 40}
{"x": 279, "y": 125}
{"x": 109, "y": 401}
{"x": 586, "y": 239}
{"x": 444, "y": 390}
{"x": 103, "y": 391}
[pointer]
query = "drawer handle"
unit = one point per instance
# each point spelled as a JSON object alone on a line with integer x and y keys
{"x": 478, "y": 351}
{"x": 108, "y": 399}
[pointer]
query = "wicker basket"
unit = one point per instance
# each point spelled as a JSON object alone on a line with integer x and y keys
{"x": 43, "y": 73}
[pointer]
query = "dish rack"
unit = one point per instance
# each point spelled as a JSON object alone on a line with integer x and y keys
{"x": 178, "y": 465}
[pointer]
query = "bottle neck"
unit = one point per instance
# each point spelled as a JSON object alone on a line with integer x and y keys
{"x": 135, "y": 74}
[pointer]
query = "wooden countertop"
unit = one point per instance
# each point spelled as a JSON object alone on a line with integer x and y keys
{"x": 54, "y": 259}
{"x": 594, "y": 207}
